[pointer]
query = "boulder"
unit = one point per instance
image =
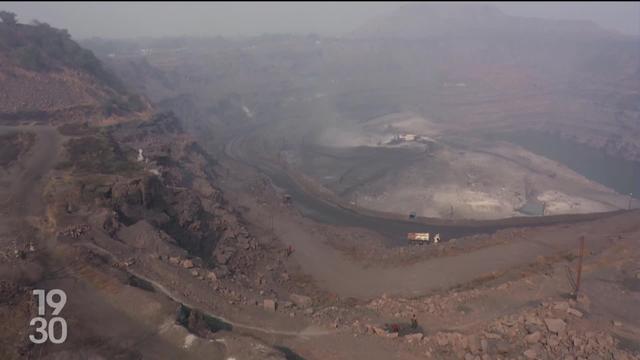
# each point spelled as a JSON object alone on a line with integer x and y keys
{"x": 309, "y": 311}
{"x": 414, "y": 337}
{"x": 301, "y": 301}
{"x": 212, "y": 276}
{"x": 382, "y": 332}
{"x": 561, "y": 305}
{"x": 555, "y": 325}
{"x": 531, "y": 327}
{"x": 574, "y": 312}
{"x": 442, "y": 340}
{"x": 502, "y": 347}
{"x": 553, "y": 341}
{"x": 530, "y": 354}
{"x": 533, "y": 338}
{"x": 270, "y": 304}
{"x": 391, "y": 335}
{"x": 187, "y": 264}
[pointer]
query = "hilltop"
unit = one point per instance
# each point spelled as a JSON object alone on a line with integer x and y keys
{"x": 49, "y": 76}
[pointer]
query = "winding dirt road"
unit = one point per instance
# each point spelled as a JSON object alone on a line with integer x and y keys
{"x": 350, "y": 279}
{"x": 24, "y": 201}
{"x": 390, "y": 226}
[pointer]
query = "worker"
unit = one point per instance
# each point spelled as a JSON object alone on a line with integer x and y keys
{"x": 290, "y": 250}
{"x": 414, "y": 322}
{"x": 395, "y": 328}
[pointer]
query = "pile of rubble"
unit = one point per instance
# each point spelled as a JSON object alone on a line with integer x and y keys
{"x": 553, "y": 330}
{"x": 436, "y": 304}
{"x": 75, "y": 232}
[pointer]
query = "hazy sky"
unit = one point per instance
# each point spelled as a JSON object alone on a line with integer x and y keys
{"x": 131, "y": 19}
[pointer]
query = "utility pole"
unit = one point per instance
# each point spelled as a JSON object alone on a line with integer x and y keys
{"x": 630, "y": 198}
{"x": 579, "y": 271}
{"x": 272, "y": 233}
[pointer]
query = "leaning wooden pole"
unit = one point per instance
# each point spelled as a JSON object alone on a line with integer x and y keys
{"x": 579, "y": 271}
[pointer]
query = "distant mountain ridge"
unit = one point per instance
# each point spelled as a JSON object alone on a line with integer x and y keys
{"x": 424, "y": 20}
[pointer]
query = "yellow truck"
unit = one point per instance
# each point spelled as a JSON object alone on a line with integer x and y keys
{"x": 423, "y": 238}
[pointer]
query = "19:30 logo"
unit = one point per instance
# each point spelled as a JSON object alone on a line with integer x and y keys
{"x": 55, "y": 329}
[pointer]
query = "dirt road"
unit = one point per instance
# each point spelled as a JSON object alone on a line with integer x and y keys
{"x": 337, "y": 273}
{"x": 94, "y": 297}
{"x": 99, "y": 306}
{"x": 394, "y": 230}
{"x": 23, "y": 197}
{"x": 347, "y": 278}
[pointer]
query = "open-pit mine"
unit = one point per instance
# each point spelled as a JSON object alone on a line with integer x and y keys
{"x": 441, "y": 181}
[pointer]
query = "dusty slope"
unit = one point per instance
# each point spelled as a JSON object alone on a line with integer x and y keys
{"x": 80, "y": 181}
